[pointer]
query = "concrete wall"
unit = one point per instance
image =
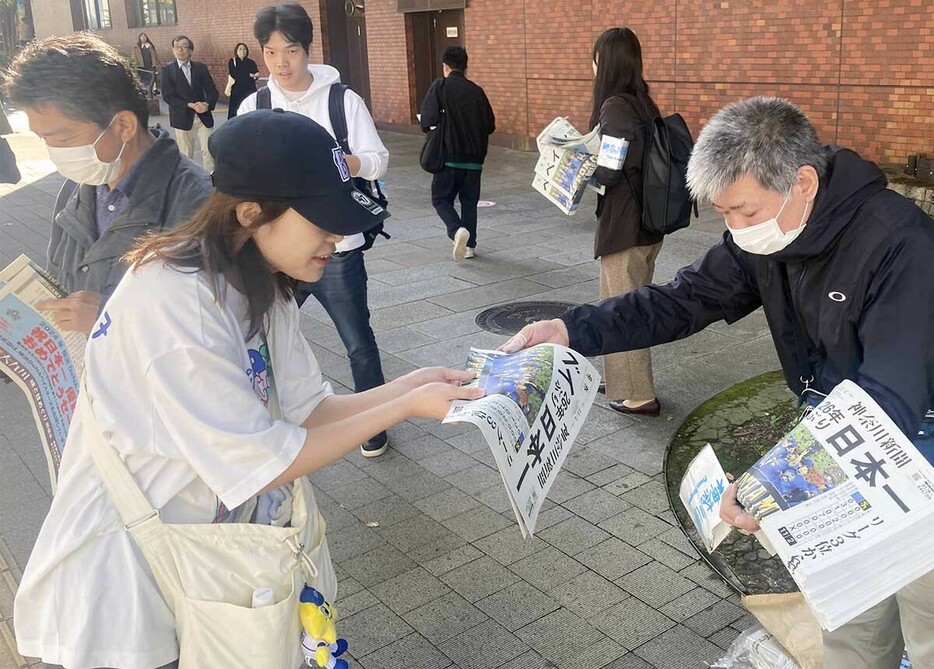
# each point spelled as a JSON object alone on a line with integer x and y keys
{"x": 50, "y": 17}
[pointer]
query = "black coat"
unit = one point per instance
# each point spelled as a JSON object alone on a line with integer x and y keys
{"x": 619, "y": 224}
{"x": 860, "y": 278}
{"x": 470, "y": 120}
{"x": 177, "y": 94}
{"x": 242, "y": 72}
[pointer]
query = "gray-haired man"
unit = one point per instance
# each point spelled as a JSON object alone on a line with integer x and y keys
{"x": 842, "y": 268}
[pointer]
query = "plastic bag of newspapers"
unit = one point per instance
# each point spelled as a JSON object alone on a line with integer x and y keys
{"x": 755, "y": 649}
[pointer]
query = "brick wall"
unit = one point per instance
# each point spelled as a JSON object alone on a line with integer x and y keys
{"x": 863, "y": 70}
{"x": 388, "y": 56}
{"x": 214, "y": 31}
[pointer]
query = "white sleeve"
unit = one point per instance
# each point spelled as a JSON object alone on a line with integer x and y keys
{"x": 363, "y": 139}
{"x": 247, "y": 105}
{"x": 299, "y": 382}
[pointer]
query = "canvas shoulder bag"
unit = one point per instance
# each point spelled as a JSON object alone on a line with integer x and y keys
{"x": 207, "y": 572}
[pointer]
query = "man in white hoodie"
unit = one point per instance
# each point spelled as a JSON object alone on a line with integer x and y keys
{"x": 285, "y": 32}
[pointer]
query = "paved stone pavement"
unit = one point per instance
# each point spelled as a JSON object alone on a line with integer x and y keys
{"x": 433, "y": 571}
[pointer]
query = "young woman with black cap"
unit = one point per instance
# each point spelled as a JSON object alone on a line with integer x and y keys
{"x": 202, "y": 403}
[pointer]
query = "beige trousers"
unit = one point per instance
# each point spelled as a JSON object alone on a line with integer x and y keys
{"x": 186, "y": 143}
{"x": 628, "y": 375}
{"x": 875, "y": 639}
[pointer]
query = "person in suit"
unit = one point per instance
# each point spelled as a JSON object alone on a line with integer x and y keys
{"x": 190, "y": 93}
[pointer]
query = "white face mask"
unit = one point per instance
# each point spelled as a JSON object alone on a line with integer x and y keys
{"x": 767, "y": 237}
{"x": 81, "y": 164}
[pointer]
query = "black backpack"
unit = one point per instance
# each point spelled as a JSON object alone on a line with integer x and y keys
{"x": 338, "y": 117}
{"x": 666, "y": 202}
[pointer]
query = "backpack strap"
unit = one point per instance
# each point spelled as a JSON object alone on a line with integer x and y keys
{"x": 264, "y": 98}
{"x": 338, "y": 114}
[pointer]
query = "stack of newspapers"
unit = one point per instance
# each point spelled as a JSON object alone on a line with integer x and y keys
{"x": 566, "y": 163}
{"x": 847, "y": 502}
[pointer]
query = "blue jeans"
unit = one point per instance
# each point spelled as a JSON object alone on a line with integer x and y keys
{"x": 341, "y": 290}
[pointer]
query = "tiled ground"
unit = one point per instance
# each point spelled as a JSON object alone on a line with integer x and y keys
{"x": 434, "y": 573}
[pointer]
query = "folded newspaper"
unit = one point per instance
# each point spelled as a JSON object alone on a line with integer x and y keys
{"x": 566, "y": 163}
{"x": 701, "y": 489}
{"x": 43, "y": 361}
{"x": 847, "y": 501}
{"x": 536, "y": 403}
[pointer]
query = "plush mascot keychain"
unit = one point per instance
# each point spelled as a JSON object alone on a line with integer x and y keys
{"x": 319, "y": 642}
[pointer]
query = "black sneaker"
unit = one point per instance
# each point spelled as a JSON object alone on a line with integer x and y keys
{"x": 375, "y": 446}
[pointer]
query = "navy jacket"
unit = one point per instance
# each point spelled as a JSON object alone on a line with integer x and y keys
{"x": 860, "y": 279}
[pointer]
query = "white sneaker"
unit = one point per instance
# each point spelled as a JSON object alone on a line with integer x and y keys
{"x": 460, "y": 244}
{"x": 469, "y": 253}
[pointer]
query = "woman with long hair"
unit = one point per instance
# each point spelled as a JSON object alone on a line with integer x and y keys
{"x": 198, "y": 377}
{"x": 147, "y": 62}
{"x": 627, "y": 252}
{"x": 244, "y": 72}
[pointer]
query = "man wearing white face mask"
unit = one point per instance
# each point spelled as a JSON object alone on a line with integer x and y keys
{"x": 124, "y": 181}
{"x": 842, "y": 268}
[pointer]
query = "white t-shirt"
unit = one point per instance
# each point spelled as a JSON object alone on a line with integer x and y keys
{"x": 180, "y": 395}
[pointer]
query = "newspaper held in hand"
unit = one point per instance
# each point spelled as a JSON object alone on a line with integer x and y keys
{"x": 701, "y": 489}
{"x": 566, "y": 164}
{"x": 848, "y": 503}
{"x": 536, "y": 402}
{"x": 43, "y": 361}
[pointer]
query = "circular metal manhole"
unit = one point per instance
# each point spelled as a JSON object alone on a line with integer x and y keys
{"x": 508, "y": 319}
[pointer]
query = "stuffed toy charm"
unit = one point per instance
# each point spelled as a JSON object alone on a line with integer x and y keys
{"x": 319, "y": 642}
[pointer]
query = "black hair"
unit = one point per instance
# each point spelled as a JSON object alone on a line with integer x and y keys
{"x": 237, "y": 48}
{"x": 291, "y": 20}
{"x": 139, "y": 38}
{"x": 191, "y": 45}
{"x": 79, "y": 74}
{"x": 618, "y": 56}
{"x": 455, "y": 57}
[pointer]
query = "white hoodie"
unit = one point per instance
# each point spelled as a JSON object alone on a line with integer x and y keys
{"x": 362, "y": 137}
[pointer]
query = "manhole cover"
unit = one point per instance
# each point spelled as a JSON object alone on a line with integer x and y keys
{"x": 508, "y": 319}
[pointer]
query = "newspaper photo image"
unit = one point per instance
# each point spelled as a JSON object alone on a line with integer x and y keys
{"x": 566, "y": 163}
{"x": 847, "y": 502}
{"x": 795, "y": 470}
{"x": 44, "y": 362}
{"x": 536, "y": 402}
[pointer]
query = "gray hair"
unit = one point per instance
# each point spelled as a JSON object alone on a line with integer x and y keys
{"x": 767, "y": 138}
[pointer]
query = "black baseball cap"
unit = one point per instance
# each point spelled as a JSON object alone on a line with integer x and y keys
{"x": 271, "y": 154}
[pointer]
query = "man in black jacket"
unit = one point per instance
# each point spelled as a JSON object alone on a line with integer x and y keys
{"x": 468, "y": 124}
{"x": 842, "y": 267}
{"x": 123, "y": 180}
{"x": 190, "y": 93}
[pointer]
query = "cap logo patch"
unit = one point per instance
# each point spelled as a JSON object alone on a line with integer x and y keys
{"x": 341, "y": 163}
{"x": 366, "y": 203}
